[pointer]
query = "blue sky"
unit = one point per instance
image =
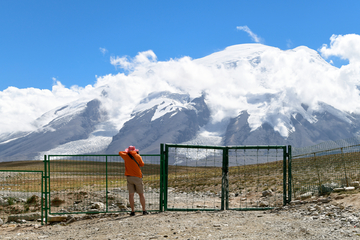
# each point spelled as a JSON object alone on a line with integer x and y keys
{"x": 73, "y": 41}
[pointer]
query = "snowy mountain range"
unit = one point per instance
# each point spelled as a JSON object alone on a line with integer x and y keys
{"x": 248, "y": 94}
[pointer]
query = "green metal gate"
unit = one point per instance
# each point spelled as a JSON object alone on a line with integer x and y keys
{"x": 257, "y": 177}
{"x": 211, "y": 178}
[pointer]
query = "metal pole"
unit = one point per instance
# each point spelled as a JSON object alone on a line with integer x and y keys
{"x": 225, "y": 180}
{"x": 42, "y": 198}
{"x": 45, "y": 190}
{"x": 343, "y": 160}
{"x": 162, "y": 173}
{"x": 289, "y": 174}
{"x": 166, "y": 172}
{"x": 284, "y": 176}
{"x": 106, "y": 183}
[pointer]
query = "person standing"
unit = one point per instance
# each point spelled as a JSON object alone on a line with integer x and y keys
{"x": 133, "y": 163}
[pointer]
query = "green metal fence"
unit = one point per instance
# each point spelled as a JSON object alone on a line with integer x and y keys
{"x": 180, "y": 178}
{"x": 218, "y": 178}
{"x": 194, "y": 178}
{"x": 21, "y": 192}
{"x": 97, "y": 184}
{"x": 326, "y": 167}
{"x": 257, "y": 177}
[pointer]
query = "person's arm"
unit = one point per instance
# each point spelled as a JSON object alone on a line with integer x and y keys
{"x": 138, "y": 158}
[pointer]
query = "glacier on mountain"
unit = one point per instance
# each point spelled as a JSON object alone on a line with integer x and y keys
{"x": 244, "y": 94}
{"x": 165, "y": 102}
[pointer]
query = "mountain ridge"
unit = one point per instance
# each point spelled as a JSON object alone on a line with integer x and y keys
{"x": 249, "y": 94}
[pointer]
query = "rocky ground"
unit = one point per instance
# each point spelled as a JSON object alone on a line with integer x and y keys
{"x": 337, "y": 217}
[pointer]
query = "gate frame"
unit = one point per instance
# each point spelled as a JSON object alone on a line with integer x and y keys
{"x": 286, "y": 177}
{"x": 164, "y": 148}
{"x": 166, "y": 171}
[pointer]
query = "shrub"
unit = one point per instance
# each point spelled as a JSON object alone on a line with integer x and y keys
{"x": 56, "y": 202}
{"x": 11, "y": 201}
{"x": 26, "y": 208}
{"x": 32, "y": 200}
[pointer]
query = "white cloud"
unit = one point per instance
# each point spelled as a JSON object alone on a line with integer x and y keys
{"x": 289, "y": 43}
{"x": 343, "y": 46}
{"x": 126, "y": 63}
{"x": 20, "y": 107}
{"x": 253, "y": 36}
{"x": 103, "y": 50}
{"x": 121, "y": 62}
{"x": 280, "y": 82}
{"x": 268, "y": 82}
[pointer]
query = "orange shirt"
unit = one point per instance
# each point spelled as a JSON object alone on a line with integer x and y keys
{"x": 131, "y": 168}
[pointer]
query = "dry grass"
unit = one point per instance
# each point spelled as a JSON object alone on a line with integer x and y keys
{"x": 23, "y": 165}
{"x": 326, "y": 168}
{"x": 72, "y": 174}
{"x": 245, "y": 181}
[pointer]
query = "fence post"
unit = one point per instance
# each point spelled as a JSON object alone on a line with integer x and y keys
{"x": 284, "y": 176}
{"x": 42, "y": 198}
{"x": 162, "y": 157}
{"x": 106, "y": 184}
{"x": 344, "y": 164}
{"x": 45, "y": 192}
{"x": 317, "y": 172}
{"x": 225, "y": 180}
{"x": 165, "y": 178}
{"x": 289, "y": 174}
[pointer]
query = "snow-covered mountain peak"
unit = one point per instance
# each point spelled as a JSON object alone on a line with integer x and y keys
{"x": 233, "y": 54}
{"x": 166, "y": 94}
{"x": 164, "y": 102}
{"x": 250, "y": 94}
{"x": 64, "y": 113}
{"x": 272, "y": 84}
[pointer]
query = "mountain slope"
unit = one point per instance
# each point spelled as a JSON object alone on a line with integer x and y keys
{"x": 248, "y": 94}
{"x": 329, "y": 125}
{"x": 77, "y": 122}
{"x": 173, "y": 119}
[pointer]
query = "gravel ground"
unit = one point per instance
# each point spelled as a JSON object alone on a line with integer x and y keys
{"x": 332, "y": 218}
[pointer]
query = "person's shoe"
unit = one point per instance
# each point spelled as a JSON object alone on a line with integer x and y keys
{"x": 145, "y": 213}
{"x": 132, "y": 214}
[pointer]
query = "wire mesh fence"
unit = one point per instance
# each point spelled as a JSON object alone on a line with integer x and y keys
{"x": 256, "y": 177}
{"x": 21, "y": 195}
{"x": 194, "y": 178}
{"x": 351, "y": 143}
{"x": 326, "y": 167}
{"x": 97, "y": 184}
{"x": 218, "y": 178}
